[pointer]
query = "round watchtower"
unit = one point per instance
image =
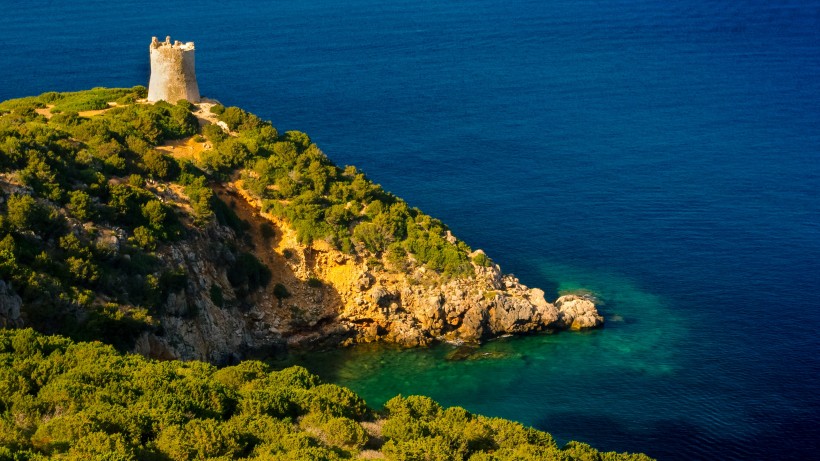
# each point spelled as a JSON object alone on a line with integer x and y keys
{"x": 172, "y": 71}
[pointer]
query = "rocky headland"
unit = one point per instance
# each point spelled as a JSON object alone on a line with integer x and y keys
{"x": 336, "y": 299}
{"x": 200, "y": 232}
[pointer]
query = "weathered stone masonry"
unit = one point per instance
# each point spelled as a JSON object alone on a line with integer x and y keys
{"x": 173, "y": 76}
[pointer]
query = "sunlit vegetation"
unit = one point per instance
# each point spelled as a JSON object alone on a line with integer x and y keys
{"x": 297, "y": 182}
{"x": 79, "y": 219}
{"x": 76, "y": 401}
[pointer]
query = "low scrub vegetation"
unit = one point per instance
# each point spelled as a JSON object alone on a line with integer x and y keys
{"x": 80, "y": 224}
{"x": 76, "y": 401}
{"x": 297, "y": 182}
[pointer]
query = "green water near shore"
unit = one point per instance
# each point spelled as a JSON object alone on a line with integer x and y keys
{"x": 525, "y": 378}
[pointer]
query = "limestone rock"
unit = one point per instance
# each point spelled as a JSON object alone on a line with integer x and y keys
{"x": 365, "y": 281}
{"x": 405, "y": 333}
{"x": 577, "y": 313}
{"x": 473, "y": 327}
{"x": 511, "y": 315}
{"x": 381, "y": 296}
{"x": 10, "y": 305}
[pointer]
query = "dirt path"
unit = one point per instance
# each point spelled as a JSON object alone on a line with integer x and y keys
{"x": 190, "y": 148}
{"x": 203, "y": 112}
{"x": 92, "y": 113}
{"x": 185, "y": 148}
{"x": 46, "y": 111}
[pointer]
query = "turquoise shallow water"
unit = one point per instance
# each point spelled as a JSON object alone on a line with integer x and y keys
{"x": 556, "y": 382}
{"x": 664, "y": 155}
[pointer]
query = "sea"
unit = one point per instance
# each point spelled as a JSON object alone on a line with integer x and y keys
{"x": 661, "y": 156}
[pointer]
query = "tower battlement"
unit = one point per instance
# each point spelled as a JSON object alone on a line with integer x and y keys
{"x": 173, "y": 75}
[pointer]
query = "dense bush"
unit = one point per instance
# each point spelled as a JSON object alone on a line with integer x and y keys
{"x": 73, "y": 401}
{"x": 297, "y": 182}
{"x": 78, "y": 220}
{"x": 417, "y": 428}
{"x": 248, "y": 272}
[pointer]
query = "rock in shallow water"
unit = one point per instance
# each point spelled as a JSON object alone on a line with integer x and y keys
{"x": 473, "y": 352}
{"x": 577, "y": 313}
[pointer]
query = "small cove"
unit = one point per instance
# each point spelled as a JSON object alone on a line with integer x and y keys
{"x": 664, "y": 156}
{"x": 618, "y": 365}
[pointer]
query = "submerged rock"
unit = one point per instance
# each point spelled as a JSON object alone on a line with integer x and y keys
{"x": 473, "y": 352}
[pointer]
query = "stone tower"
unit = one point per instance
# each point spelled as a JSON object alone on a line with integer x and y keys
{"x": 172, "y": 71}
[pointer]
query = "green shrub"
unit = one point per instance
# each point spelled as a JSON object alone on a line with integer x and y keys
{"x": 418, "y": 449}
{"x": 24, "y": 213}
{"x": 185, "y": 104}
{"x": 280, "y": 292}
{"x": 330, "y": 399}
{"x": 279, "y": 403}
{"x": 247, "y": 271}
{"x": 239, "y": 376}
{"x": 414, "y": 406}
{"x": 481, "y": 259}
{"x": 214, "y": 133}
{"x": 200, "y": 197}
{"x": 297, "y": 377}
{"x": 94, "y": 99}
{"x": 313, "y": 282}
{"x": 81, "y": 205}
{"x": 102, "y": 446}
{"x": 159, "y": 165}
{"x": 216, "y": 295}
{"x": 199, "y": 439}
{"x": 339, "y": 432}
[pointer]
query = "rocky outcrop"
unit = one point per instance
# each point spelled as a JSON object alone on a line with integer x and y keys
{"x": 10, "y": 305}
{"x": 577, "y": 313}
{"x": 197, "y": 325}
{"x": 420, "y": 308}
{"x": 320, "y": 297}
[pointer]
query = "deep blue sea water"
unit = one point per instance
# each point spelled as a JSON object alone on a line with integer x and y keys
{"x": 664, "y": 155}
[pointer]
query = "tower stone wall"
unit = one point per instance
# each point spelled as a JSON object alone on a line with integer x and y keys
{"x": 173, "y": 76}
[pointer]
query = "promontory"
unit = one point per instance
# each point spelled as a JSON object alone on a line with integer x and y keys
{"x": 201, "y": 232}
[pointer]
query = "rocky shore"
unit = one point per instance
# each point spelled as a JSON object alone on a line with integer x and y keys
{"x": 319, "y": 297}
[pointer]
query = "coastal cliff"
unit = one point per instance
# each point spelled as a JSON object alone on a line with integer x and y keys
{"x": 333, "y": 298}
{"x": 200, "y": 232}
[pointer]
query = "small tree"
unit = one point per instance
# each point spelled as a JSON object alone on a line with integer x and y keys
{"x": 159, "y": 165}
{"x": 24, "y": 213}
{"x": 81, "y": 205}
{"x": 280, "y": 292}
{"x": 155, "y": 213}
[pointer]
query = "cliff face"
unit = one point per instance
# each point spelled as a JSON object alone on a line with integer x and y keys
{"x": 10, "y": 306}
{"x": 321, "y": 297}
